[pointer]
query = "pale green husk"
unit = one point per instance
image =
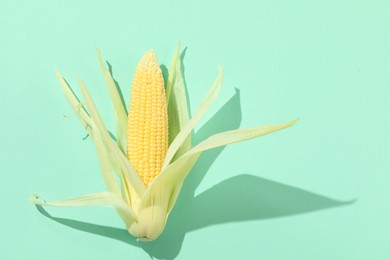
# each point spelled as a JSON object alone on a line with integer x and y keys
{"x": 145, "y": 210}
{"x": 177, "y": 104}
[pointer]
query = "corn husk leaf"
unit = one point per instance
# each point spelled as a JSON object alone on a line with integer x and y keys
{"x": 186, "y": 130}
{"x": 172, "y": 71}
{"x": 74, "y": 103}
{"x": 164, "y": 190}
{"x": 96, "y": 199}
{"x": 173, "y": 176}
{"x": 238, "y": 135}
{"x": 120, "y": 114}
{"x": 135, "y": 187}
{"x": 178, "y": 113}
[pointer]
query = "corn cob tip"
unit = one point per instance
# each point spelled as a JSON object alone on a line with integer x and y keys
{"x": 148, "y": 60}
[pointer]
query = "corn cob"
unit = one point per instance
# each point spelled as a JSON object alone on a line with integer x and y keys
{"x": 147, "y": 136}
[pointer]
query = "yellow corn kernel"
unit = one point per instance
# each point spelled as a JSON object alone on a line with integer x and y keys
{"x": 147, "y": 136}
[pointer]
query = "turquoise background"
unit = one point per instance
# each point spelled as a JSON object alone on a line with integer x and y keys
{"x": 318, "y": 190}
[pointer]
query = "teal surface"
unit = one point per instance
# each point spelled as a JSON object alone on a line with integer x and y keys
{"x": 318, "y": 190}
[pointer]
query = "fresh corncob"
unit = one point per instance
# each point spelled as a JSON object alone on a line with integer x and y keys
{"x": 145, "y": 210}
{"x": 147, "y": 136}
